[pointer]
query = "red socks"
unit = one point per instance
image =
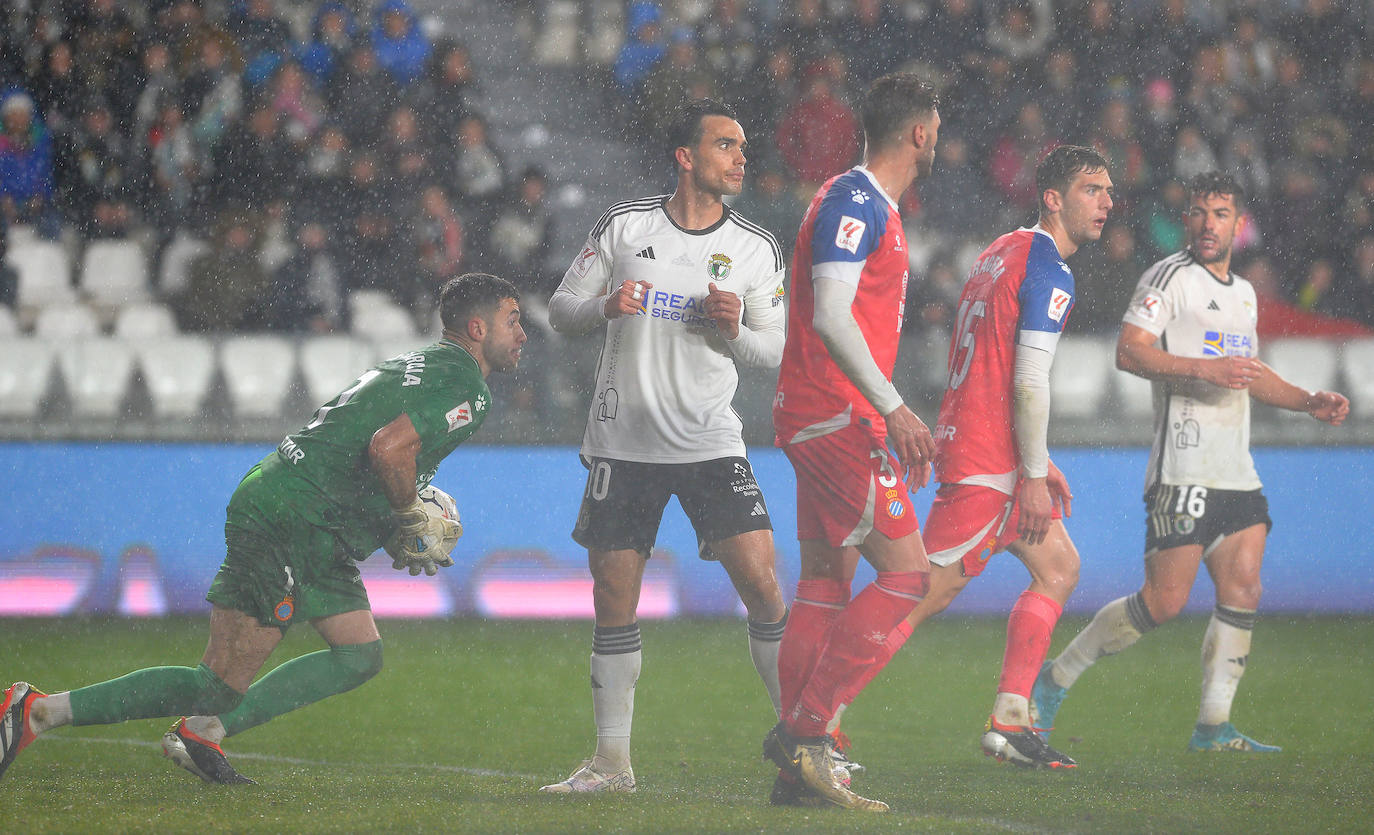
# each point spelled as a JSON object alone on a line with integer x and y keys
{"x": 857, "y": 648}
{"x": 1028, "y": 640}
{"x": 817, "y": 604}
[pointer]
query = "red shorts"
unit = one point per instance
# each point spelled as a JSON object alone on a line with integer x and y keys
{"x": 849, "y": 485}
{"x": 969, "y": 523}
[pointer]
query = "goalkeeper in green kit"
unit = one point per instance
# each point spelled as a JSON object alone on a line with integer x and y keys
{"x": 347, "y": 483}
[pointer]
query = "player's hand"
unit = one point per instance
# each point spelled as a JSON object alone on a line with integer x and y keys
{"x": 627, "y": 300}
{"x": 1060, "y": 495}
{"x": 1328, "y": 406}
{"x": 912, "y": 442}
{"x": 1232, "y": 372}
{"x": 1037, "y": 508}
{"x": 418, "y": 543}
{"x": 723, "y": 307}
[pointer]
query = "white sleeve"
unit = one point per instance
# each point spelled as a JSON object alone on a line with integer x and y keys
{"x": 763, "y": 331}
{"x": 834, "y": 322}
{"x": 1031, "y": 406}
{"x": 579, "y": 303}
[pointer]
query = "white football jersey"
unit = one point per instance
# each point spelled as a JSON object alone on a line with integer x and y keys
{"x": 1202, "y": 431}
{"x": 666, "y": 376}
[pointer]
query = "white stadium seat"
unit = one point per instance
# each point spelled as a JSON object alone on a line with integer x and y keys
{"x": 258, "y": 372}
{"x": 9, "y": 325}
{"x": 45, "y": 274}
{"x": 389, "y": 347}
{"x": 1079, "y": 377}
{"x": 97, "y": 373}
{"x": 71, "y": 321}
{"x": 145, "y": 320}
{"x": 114, "y": 273}
{"x": 382, "y": 320}
{"x": 25, "y": 371}
{"x": 176, "y": 261}
{"x": 329, "y": 363}
{"x": 178, "y": 371}
{"x": 1357, "y": 361}
{"x": 1302, "y": 361}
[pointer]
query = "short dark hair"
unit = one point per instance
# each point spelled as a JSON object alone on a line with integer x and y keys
{"x": 893, "y": 100}
{"x": 684, "y": 131}
{"x": 472, "y": 294}
{"x": 1059, "y": 166}
{"x": 1218, "y": 183}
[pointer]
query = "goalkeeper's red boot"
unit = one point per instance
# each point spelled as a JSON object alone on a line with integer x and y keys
{"x": 15, "y": 734}
{"x": 199, "y": 756}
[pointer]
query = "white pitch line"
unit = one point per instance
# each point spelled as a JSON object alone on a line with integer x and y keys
{"x": 273, "y": 758}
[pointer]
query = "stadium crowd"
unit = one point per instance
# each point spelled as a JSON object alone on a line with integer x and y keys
{"x": 274, "y": 157}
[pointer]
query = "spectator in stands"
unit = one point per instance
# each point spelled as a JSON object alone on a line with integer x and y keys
{"x": 175, "y": 165}
{"x": 1316, "y": 291}
{"x": 1166, "y": 39}
{"x": 770, "y": 89}
{"x": 643, "y": 47}
{"x": 1114, "y": 137}
{"x": 412, "y": 163}
{"x": 679, "y": 77}
{"x": 332, "y": 33}
{"x": 160, "y": 82}
{"x": 223, "y": 286}
{"x": 1164, "y": 232}
{"x": 1061, "y": 92}
{"x": 818, "y": 135}
{"x": 1020, "y": 31}
{"x": 1359, "y": 301}
{"x": 263, "y": 37}
{"x": 728, "y": 38}
{"x": 401, "y": 46}
{"x": 210, "y": 93}
{"x": 368, "y": 240}
{"x": 1014, "y": 157}
{"x": 476, "y": 172}
{"x": 1192, "y": 154}
{"x": 1104, "y": 279}
{"x": 106, "y": 45}
{"x": 1101, "y": 41}
{"x": 306, "y": 294}
{"x": 298, "y": 105}
{"x": 1279, "y": 317}
{"x": 360, "y": 94}
{"x": 770, "y": 199}
{"x": 1158, "y": 124}
{"x": 252, "y": 164}
{"x": 322, "y": 179}
{"x": 96, "y": 173}
{"x": 442, "y": 95}
{"x": 1250, "y": 53}
{"x": 874, "y": 34}
{"x": 58, "y": 90}
{"x": 521, "y": 238}
{"x": 805, "y": 29}
{"x": 437, "y": 246}
{"x": 27, "y": 185}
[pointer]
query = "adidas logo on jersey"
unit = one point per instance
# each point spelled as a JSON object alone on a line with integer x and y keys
{"x": 758, "y": 510}
{"x": 647, "y": 252}
{"x": 1212, "y": 305}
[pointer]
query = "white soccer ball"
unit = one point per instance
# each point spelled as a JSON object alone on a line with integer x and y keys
{"x": 439, "y": 504}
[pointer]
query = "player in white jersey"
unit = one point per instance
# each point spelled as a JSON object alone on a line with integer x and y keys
{"x": 685, "y": 288}
{"x": 1190, "y": 330}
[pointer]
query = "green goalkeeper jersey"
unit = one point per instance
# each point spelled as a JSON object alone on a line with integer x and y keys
{"x": 323, "y": 470}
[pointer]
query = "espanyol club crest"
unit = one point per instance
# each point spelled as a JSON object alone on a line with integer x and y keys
{"x": 718, "y": 268}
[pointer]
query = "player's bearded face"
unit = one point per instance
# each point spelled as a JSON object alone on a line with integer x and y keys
{"x": 505, "y": 338}
{"x": 925, "y": 160}
{"x": 718, "y": 159}
{"x": 1212, "y": 222}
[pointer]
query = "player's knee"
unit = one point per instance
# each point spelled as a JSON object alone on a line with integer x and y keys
{"x": 361, "y": 661}
{"x": 1241, "y": 594}
{"x": 1165, "y": 604}
{"x": 213, "y": 695}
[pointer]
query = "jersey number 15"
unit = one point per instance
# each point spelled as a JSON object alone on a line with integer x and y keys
{"x": 970, "y": 313}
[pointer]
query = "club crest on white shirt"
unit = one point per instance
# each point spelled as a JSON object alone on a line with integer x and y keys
{"x": 718, "y": 267}
{"x": 1059, "y": 304}
{"x": 849, "y": 233}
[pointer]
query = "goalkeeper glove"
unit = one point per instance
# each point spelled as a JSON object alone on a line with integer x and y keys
{"x": 418, "y": 544}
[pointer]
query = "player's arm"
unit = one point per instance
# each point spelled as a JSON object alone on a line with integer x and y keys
{"x": 586, "y": 300}
{"x": 756, "y": 338}
{"x": 834, "y": 322}
{"x": 1271, "y": 389}
{"x": 1138, "y": 353}
{"x": 392, "y": 453}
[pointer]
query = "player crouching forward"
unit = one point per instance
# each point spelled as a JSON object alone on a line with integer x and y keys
{"x": 685, "y": 289}
{"x": 347, "y": 483}
{"x": 1190, "y": 330}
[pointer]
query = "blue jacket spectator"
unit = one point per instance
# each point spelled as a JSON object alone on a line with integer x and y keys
{"x": 643, "y": 48}
{"x": 332, "y": 32}
{"x": 26, "y": 165}
{"x": 401, "y": 46}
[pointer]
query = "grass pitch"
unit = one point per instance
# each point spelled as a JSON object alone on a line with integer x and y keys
{"x": 469, "y": 718}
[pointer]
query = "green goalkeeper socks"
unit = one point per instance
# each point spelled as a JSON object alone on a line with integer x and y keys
{"x": 302, "y": 681}
{"x": 153, "y": 692}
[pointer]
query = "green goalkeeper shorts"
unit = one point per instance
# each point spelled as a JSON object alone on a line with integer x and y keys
{"x": 278, "y": 568}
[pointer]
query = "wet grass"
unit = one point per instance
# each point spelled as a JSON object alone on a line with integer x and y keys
{"x": 470, "y": 717}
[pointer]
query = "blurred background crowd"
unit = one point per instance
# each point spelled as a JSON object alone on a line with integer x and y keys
{"x": 285, "y": 165}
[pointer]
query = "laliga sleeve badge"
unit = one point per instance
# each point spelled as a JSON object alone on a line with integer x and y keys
{"x": 285, "y": 609}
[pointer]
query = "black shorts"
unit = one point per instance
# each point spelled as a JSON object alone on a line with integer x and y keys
{"x": 624, "y": 500}
{"x": 1189, "y": 514}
